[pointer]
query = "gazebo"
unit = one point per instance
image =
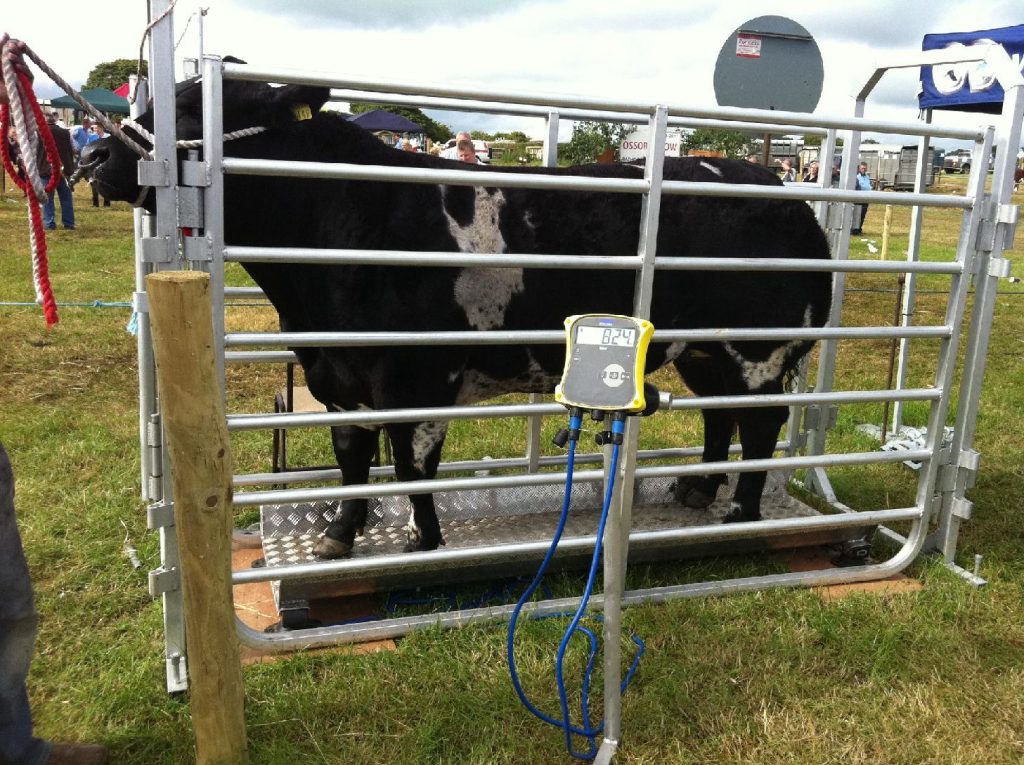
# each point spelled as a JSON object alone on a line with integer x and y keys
{"x": 387, "y": 126}
{"x": 103, "y": 99}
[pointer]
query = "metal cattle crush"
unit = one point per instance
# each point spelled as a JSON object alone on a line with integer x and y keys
{"x": 193, "y": 199}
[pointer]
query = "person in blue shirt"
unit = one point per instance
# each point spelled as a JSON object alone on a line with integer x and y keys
{"x": 860, "y": 212}
{"x": 80, "y": 135}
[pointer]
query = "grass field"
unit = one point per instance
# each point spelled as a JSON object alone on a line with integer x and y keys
{"x": 935, "y": 676}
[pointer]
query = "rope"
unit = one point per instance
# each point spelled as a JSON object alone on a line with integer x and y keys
{"x": 193, "y": 143}
{"x": 27, "y": 114}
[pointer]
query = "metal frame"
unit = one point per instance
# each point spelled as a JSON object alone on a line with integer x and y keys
{"x": 988, "y": 221}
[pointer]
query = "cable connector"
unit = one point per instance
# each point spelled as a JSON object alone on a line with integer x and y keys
{"x": 572, "y": 433}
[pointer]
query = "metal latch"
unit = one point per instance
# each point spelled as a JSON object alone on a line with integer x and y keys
{"x": 962, "y": 508}
{"x": 821, "y": 417}
{"x": 157, "y": 249}
{"x": 197, "y": 249}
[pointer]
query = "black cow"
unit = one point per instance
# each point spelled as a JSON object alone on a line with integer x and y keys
{"x": 272, "y": 211}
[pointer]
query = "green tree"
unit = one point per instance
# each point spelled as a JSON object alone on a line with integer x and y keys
{"x": 732, "y": 143}
{"x": 591, "y": 139}
{"x": 114, "y": 74}
{"x": 436, "y": 131}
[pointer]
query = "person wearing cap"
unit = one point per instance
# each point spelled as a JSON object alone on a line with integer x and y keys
{"x": 62, "y": 138}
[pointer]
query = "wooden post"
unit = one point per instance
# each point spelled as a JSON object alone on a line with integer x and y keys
{"x": 200, "y": 454}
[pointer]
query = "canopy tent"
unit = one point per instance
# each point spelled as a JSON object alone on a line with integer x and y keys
{"x": 103, "y": 99}
{"x": 967, "y": 87}
{"x": 378, "y": 119}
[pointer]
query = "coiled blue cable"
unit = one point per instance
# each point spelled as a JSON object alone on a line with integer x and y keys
{"x": 586, "y": 730}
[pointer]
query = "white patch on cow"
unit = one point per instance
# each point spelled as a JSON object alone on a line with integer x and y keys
{"x": 528, "y": 221}
{"x": 425, "y": 438}
{"x": 757, "y": 373}
{"x": 476, "y": 386}
{"x": 412, "y": 531}
{"x": 484, "y": 293}
{"x": 674, "y": 350}
{"x": 712, "y": 168}
{"x": 482, "y": 233}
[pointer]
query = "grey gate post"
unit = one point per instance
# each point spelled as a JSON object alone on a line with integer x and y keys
{"x": 910, "y": 284}
{"x": 996, "y": 235}
{"x": 620, "y": 514}
{"x": 533, "y": 432}
{"x": 158, "y": 250}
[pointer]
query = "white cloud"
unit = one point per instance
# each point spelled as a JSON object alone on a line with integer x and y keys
{"x": 656, "y": 51}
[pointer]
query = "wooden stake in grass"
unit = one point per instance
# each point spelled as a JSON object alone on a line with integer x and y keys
{"x": 197, "y": 440}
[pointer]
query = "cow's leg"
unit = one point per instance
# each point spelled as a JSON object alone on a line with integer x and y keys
{"x": 759, "y": 432}
{"x": 703, "y": 375}
{"x": 354, "y": 449}
{"x": 416, "y": 448}
{"x": 698, "y": 491}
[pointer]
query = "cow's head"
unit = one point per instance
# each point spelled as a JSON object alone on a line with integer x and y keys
{"x": 112, "y": 165}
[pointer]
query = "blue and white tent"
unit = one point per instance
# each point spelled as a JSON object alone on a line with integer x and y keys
{"x": 968, "y": 87}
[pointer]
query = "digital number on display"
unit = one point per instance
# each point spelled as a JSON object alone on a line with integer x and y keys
{"x": 620, "y": 336}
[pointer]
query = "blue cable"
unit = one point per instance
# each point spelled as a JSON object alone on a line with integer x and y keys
{"x": 587, "y": 730}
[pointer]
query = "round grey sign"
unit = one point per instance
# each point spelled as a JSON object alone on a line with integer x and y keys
{"x": 770, "y": 62}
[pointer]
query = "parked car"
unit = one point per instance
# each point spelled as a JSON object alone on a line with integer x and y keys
{"x": 957, "y": 161}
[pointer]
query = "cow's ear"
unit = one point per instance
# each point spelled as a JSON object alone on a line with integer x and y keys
{"x": 297, "y": 102}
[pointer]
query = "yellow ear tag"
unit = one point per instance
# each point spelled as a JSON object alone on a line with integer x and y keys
{"x": 302, "y": 112}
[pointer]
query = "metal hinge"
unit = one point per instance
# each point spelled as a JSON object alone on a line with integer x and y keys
{"x": 163, "y": 580}
{"x": 1007, "y": 216}
{"x": 820, "y": 417}
{"x": 969, "y": 462}
{"x": 961, "y": 508}
{"x": 154, "y": 172}
{"x": 195, "y": 173}
{"x": 140, "y": 302}
{"x": 197, "y": 249}
{"x": 157, "y": 249}
{"x": 160, "y": 515}
{"x": 154, "y": 442}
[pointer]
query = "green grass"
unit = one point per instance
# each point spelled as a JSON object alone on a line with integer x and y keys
{"x": 771, "y": 677}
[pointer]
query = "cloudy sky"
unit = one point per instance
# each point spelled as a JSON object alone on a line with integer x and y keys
{"x": 660, "y": 51}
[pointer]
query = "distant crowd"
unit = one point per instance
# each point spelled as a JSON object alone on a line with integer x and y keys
{"x": 69, "y": 142}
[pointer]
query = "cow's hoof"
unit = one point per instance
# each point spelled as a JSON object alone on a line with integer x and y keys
{"x": 417, "y": 542}
{"x": 689, "y": 494}
{"x": 328, "y": 548}
{"x": 736, "y": 515}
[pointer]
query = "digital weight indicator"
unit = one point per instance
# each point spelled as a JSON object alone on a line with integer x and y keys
{"x": 604, "y": 362}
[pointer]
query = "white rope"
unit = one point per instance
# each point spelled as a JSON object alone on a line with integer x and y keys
{"x": 194, "y": 143}
{"x": 25, "y": 127}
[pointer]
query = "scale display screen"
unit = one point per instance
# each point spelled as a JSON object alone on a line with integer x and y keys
{"x": 605, "y": 357}
{"x": 622, "y": 336}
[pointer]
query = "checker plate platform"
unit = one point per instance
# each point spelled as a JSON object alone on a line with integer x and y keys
{"x": 507, "y": 516}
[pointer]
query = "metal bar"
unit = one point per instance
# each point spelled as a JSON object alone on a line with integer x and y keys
{"x": 986, "y": 284}
{"x": 463, "y": 466}
{"x": 161, "y": 72}
{"x": 541, "y": 112}
{"x": 280, "y": 497}
{"x": 240, "y": 422}
{"x": 713, "y": 532}
{"x": 213, "y": 196}
{"x": 913, "y": 256}
{"x": 552, "y": 337}
{"x": 568, "y": 182}
{"x": 565, "y": 101}
{"x": 238, "y": 254}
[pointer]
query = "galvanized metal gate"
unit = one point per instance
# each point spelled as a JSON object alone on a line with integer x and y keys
{"x": 196, "y": 200}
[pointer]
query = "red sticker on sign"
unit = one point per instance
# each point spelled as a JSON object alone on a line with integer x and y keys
{"x": 748, "y": 46}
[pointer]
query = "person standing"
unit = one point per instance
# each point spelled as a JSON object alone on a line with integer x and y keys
{"x": 18, "y": 618}
{"x": 788, "y": 171}
{"x": 452, "y": 152}
{"x": 80, "y": 135}
{"x": 18, "y": 622}
{"x": 811, "y": 173}
{"x": 62, "y": 138}
{"x": 860, "y": 212}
